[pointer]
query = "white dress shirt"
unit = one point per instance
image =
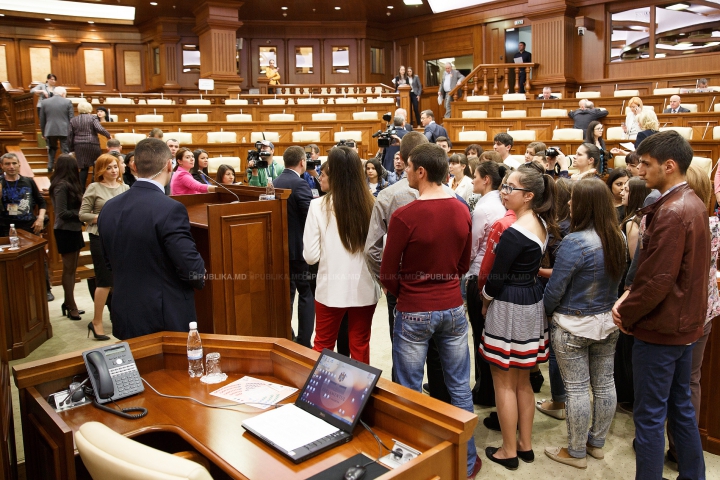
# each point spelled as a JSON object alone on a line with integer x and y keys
{"x": 488, "y": 210}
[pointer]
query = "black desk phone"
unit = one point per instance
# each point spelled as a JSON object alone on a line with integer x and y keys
{"x": 114, "y": 375}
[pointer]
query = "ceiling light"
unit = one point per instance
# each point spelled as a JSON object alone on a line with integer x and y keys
{"x": 390, "y": 7}
{"x": 283, "y": 8}
{"x": 412, "y": 2}
{"x": 67, "y": 10}
{"x": 337, "y": 8}
{"x": 438, "y": 6}
{"x": 47, "y": 19}
{"x": 678, "y": 6}
{"x": 153, "y": 3}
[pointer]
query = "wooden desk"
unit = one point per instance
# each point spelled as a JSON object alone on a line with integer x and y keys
{"x": 24, "y": 319}
{"x": 437, "y": 429}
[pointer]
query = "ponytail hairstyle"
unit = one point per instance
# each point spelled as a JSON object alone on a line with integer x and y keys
{"x": 563, "y": 188}
{"x": 592, "y": 208}
{"x": 496, "y": 172}
{"x": 593, "y": 152}
{"x": 543, "y": 188}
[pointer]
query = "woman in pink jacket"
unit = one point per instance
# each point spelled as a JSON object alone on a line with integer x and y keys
{"x": 182, "y": 182}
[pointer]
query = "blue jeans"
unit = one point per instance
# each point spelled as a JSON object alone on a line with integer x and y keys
{"x": 557, "y": 387}
{"x": 661, "y": 378}
{"x": 449, "y": 330}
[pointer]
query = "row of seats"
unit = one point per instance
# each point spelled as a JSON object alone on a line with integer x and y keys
{"x": 230, "y": 101}
{"x": 573, "y": 134}
{"x": 507, "y": 97}
{"x": 246, "y": 117}
{"x": 186, "y": 138}
{"x": 559, "y": 112}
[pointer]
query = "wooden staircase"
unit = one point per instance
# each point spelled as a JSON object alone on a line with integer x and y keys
{"x": 36, "y": 156}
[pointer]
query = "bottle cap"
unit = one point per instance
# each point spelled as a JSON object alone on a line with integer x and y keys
{"x": 193, "y": 325}
{"x": 12, "y": 225}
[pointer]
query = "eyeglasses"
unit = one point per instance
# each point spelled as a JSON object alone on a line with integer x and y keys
{"x": 508, "y": 189}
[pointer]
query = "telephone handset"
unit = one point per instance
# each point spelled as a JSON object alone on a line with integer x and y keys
{"x": 114, "y": 375}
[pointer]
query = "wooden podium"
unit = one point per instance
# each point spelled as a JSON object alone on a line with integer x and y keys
{"x": 24, "y": 319}
{"x": 439, "y": 430}
{"x": 245, "y": 248}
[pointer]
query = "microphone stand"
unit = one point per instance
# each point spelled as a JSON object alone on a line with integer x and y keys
{"x": 221, "y": 186}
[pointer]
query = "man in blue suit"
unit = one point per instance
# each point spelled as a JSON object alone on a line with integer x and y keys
{"x": 432, "y": 129}
{"x": 297, "y": 207}
{"x": 148, "y": 247}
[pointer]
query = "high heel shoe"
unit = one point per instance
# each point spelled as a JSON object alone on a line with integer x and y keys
{"x": 91, "y": 328}
{"x": 67, "y": 312}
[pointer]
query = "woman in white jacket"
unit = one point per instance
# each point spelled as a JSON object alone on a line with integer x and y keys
{"x": 335, "y": 233}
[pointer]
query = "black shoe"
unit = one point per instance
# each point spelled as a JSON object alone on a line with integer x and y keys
{"x": 536, "y": 380}
{"x": 91, "y": 328}
{"x": 492, "y": 422}
{"x": 68, "y": 313}
{"x": 671, "y": 456}
{"x": 634, "y": 446}
{"x": 50, "y": 296}
{"x": 528, "y": 456}
{"x": 426, "y": 388}
{"x": 509, "y": 463}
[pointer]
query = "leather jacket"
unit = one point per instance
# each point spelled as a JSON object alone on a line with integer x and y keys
{"x": 668, "y": 299}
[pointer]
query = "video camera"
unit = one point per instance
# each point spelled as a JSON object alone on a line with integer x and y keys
{"x": 385, "y": 138}
{"x": 552, "y": 152}
{"x": 311, "y": 164}
{"x": 258, "y": 156}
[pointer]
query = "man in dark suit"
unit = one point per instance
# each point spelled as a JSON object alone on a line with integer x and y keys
{"x": 586, "y": 114}
{"x": 55, "y": 115}
{"x": 547, "y": 94}
{"x": 675, "y": 106}
{"x": 432, "y": 129}
{"x": 297, "y": 206}
{"x": 526, "y": 58}
{"x": 148, "y": 247}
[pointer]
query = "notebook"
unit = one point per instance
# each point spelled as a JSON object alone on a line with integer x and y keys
{"x": 326, "y": 412}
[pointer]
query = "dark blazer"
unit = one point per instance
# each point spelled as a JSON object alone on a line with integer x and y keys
{"x": 55, "y": 115}
{"x": 679, "y": 110}
{"x": 297, "y": 205}
{"x": 642, "y": 136}
{"x": 85, "y": 129}
{"x": 433, "y": 131}
{"x": 584, "y": 117}
{"x": 542, "y": 97}
{"x": 154, "y": 262}
{"x": 389, "y": 155}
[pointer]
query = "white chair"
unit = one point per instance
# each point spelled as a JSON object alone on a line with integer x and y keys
{"x": 345, "y": 101}
{"x": 666, "y": 91}
{"x": 474, "y": 114}
{"x": 324, "y": 117}
{"x": 194, "y": 117}
{"x": 514, "y": 161}
{"x": 236, "y": 101}
{"x": 149, "y": 118}
{"x": 269, "y": 136}
{"x": 626, "y": 93}
{"x": 510, "y": 97}
{"x": 239, "y": 117}
{"x": 159, "y": 101}
{"x": 118, "y": 101}
{"x": 107, "y": 455}
{"x": 522, "y": 136}
{"x": 477, "y": 98}
{"x": 716, "y": 107}
{"x": 645, "y": 108}
{"x": 365, "y": 115}
{"x": 279, "y": 160}
{"x": 553, "y": 112}
{"x": 381, "y": 100}
{"x": 281, "y": 117}
{"x": 472, "y": 136}
{"x": 704, "y": 163}
{"x": 305, "y": 137}
{"x": 619, "y": 161}
{"x": 690, "y": 106}
{"x": 323, "y": 159}
{"x": 513, "y": 114}
{"x": 615, "y": 133}
{"x": 273, "y": 101}
{"x": 183, "y": 138}
{"x": 587, "y": 94}
{"x": 197, "y": 101}
{"x": 114, "y": 118}
{"x": 215, "y": 162}
{"x": 129, "y": 138}
{"x": 716, "y": 133}
{"x": 76, "y": 100}
{"x": 685, "y": 132}
{"x": 308, "y": 101}
{"x": 348, "y": 135}
{"x": 221, "y": 137}
{"x": 567, "y": 134}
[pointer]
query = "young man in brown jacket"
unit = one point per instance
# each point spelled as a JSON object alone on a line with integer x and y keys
{"x": 665, "y": 308}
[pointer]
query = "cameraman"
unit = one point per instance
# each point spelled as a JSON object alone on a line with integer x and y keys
{"x": 389, "y": 154}
{"x": 258, "y": 177}
{"x": 311, "y": 175}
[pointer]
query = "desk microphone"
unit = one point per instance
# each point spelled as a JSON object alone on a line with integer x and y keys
{"x": 222, "y": 186}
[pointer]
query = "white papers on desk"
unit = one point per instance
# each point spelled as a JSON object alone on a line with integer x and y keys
{"x": 290, "y": 427}
{"x": 254, "y": 392}
{"x": 518, "y": 60}
{"x": 628, "y": 146}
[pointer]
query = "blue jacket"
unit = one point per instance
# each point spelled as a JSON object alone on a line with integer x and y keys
{"x": 578, "y": 284}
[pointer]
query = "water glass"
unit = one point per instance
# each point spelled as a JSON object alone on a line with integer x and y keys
{"x": 213, "y": 372}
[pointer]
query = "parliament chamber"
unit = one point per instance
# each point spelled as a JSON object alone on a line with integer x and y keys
{"x": 337, "y": 62}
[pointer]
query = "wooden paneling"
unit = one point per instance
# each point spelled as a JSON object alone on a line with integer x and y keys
{"x": 328, "y": 75}
{"x": 11, "y": 58}
{"x": 104, "y": 73}
{"x": 553, "y": 48}
{"x": 317, "y": 58}
{"x": 455, "y": 42}
{"x": 254, "y": 55}
{"x": 94, "y": 67}
{"x": 130, "y": 67}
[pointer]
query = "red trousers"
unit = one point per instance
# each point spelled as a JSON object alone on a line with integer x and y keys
{"x": 327, "y": 324}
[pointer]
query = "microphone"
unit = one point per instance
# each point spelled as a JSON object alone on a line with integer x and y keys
{"x": 222, "y": 186}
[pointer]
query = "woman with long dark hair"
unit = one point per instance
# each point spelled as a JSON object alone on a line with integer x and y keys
{"x": 66, "y": 193}
{"x": 182, "y": 182}
{"x": 515, "y": 338}
{"x": 373, "y": 175}
{"x": 580, "y": 295}
{"x": 201, "y": 165}
{"x": 225, "y": 175}
{"x": 335, "y": 233}
{"x": 415, "y": 93}
{"x": 593, "y": 135}
{"x": 616, "y": 181}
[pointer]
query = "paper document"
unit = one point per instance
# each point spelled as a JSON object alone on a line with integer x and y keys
{"x": 254, "y": 392}
{"x": 290, "y": 427}
{"x": 628, "y": 146}
{"x": 518, "y": 60}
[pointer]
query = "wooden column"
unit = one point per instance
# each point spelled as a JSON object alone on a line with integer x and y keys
{"x": 216, "y": 26}
{"x": 553, "y": 37}
{"x": 67, "y": 66}
{"x": 404, "y": 91}
{"x": 163, "y": 34}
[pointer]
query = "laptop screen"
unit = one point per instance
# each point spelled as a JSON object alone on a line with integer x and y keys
{"x": 337, "y": 389}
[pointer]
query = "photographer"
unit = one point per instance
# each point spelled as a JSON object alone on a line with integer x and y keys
{"x": 389, "y": 152}
{"x": 311, "y": 176}
{"x": 258, "y": 177}
{"x": 557, "y": 163}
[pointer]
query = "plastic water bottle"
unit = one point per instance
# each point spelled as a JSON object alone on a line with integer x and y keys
{"x": 270, "y": 190}
{"x": 14, "y": 239}
{"x": 194, "y": 352}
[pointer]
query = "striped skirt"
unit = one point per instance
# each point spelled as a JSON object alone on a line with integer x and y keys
{"x": 516, "y": 329}
{"x": 87, "y": 153}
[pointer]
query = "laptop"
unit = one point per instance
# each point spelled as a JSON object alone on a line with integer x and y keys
{"x": 326, "y": 412}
